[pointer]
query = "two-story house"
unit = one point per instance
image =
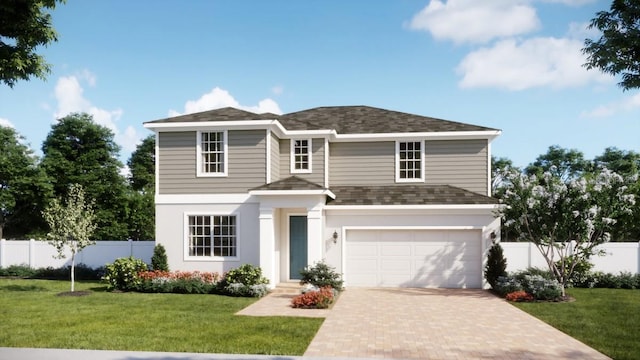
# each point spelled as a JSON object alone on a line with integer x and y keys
{"x": 385, "y": 197}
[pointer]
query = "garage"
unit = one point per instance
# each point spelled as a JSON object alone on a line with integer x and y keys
{"x": 413, "y": 258}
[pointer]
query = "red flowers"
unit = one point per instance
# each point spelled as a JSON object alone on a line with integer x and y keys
{"x": 320, "y": 299}
{"x": 205, "y": 277}
{"x": 519, "y": 296}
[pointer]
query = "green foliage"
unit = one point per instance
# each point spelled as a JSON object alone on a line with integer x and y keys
{"x": 496, "y": 265}
{"x": 24, "y": 187}
{"x": 79, "y": 151}
{"x": 581, "y": 268}
{"x": 321, "y": 275}
{"x": 159, "y": 260}
{"x": 617, "y": 50}
{"x": 123, "y": 274}
{"x": 541, "y": 287}
{"x": 246, "y": 274}
{"x": 178, "y": 282}
{"x": 561, "y": 163}
{"x": 141, "y": 219}
{"x": 142, "y": 165}
{"x": 25, "y": 25}
{"x": 82, "y": 272}
{"x": 21, "y": 271}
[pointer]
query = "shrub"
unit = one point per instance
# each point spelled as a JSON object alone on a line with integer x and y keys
{"x": 321, "y": 275}
{"x": 580, "y": 271}
{"x": 178, "y": 282}
{"x": 159, "y": 259}
{"x": 247, "y": 280}
{"x": 540, "y": 288}
{"x": 496, "y": 265}
{"x": 507, "y": 284}
{"x": 519, "y": 296}
{"x": 82, "y": 272}
{"x": 22, "y": 271}
{"x": 123, "y": 274}
{"x": 320, "y": 299}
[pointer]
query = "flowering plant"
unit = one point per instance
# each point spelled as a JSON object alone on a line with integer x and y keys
{"x": 186, "y": 282}
{"x": 320, "y": 299}
{"x": 519, "y": 296}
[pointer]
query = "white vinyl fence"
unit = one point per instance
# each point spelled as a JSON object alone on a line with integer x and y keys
{"x": 39, "y": 254}
{"x": 619, "y": 257}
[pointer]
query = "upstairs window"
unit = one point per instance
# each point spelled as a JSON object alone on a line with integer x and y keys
{"x": 212, "y": 153}
{"x": 212, "y": 236}
{"x": 301, "y": 156}
{"x": 409, "y": 161}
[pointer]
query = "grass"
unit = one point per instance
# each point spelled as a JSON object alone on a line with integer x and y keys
{"x": 33, "y": 315}
{"x": 605, "y": 319}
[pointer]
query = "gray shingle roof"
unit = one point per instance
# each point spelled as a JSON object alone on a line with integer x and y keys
{"x": 387, "y": 195}
{"x": 290, "y": 183}
{"x": 407, "y": 195}
{"x": 342, "y": 119}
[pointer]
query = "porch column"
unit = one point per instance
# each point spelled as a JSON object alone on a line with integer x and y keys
{"x": 314, "y": 235}
{"x": 267, "y": 245}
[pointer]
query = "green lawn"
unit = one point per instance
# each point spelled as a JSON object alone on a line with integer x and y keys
{"x": 606, "y": 319}
{"x": 33, "y": 315}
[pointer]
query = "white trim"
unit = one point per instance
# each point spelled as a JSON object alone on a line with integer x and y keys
{"x": 489, "y": 169}
{"x": 183, "y": 199}
{"x": 268, "y": 156}
{"x": 293, "y": 192}
{"x": 443, "y": 135}
{"x": 225, "y": 144}
{"x": 422, "y": 164}
{"x": 326, "y": 163}
{"x": 157, "y": 164}
{"x": 413, "y": 207}
{"x": 292, "y": 157}
{"x": 185, "y": 225}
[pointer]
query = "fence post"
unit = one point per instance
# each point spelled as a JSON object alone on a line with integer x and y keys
{"x": 32, "y": 253}
{"x": 130, "y": 247}
{"x": 2, "y": 245}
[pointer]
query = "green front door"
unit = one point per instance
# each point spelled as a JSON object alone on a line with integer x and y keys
{"x": 297, "y": 245}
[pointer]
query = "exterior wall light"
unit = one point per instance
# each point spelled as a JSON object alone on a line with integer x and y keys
{"x": 335, "y": 237}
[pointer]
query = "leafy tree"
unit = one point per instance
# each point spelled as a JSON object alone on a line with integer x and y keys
{"x": 563, "y": 163}
{"x": 617, "y": 51}
{"x": 24, "y": 25}
{"x": 142, "y": 165}
{"x": 72, "y": 223}
{"x": 619, "y": 161}
{"x": 498, "y": 166}
{"x": 141, "y": 219}
{"x": 553, "y": 213}
{"x": 79, "y": 151}
{"x": 24, "y": 188}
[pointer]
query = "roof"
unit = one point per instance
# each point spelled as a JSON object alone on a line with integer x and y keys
{"x": 408, "y": 195}
{"x": 342, "y": 119}
{"x": 386, "y": 195}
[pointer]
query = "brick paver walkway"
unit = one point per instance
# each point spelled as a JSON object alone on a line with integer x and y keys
{"x": 429, "y": 324}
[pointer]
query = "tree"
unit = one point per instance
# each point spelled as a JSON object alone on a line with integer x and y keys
{"x": 496, "y": 265}
{"x": 79, "y": 151}
{"x": 565, "y": 220}
{"x": 24, "y": 25}
{"x": 619, "y": 161}
{"x": 142, "y": 165}
{"x": 24, "y": 188}
{"x": 141, "y": 219}
{"x": 617, "y": 51}
{"x": 72, "y": 223}
{"x": 560, "y": 162}
{"x": 159, "y": 260}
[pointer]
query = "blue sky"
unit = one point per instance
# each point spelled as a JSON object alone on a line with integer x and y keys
{"x": 514, "y": 65}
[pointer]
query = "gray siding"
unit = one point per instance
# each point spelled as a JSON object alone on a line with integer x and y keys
{"x": 275, "y": 158}
{"x": 177, "y": 164}
{"x": 362, "y": 163}
{"x": 461, "y": 163}
{"x": 317, "y": 161}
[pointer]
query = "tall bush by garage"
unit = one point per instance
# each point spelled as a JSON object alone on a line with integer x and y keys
{"x": 159, "y": 260}
{"x": 496, "y": 265}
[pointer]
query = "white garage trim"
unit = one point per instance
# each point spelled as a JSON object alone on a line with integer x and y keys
{"x": 480, "y": 229}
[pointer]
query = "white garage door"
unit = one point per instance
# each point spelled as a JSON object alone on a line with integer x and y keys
{"x": 414, "y": 258}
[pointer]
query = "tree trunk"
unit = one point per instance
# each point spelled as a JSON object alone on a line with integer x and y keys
{"x": 73, "y": 268}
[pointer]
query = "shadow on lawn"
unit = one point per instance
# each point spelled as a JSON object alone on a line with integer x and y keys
{"x": 23, "y": 288}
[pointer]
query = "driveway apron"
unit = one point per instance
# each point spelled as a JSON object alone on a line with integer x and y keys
{"x": 438, "y": 324}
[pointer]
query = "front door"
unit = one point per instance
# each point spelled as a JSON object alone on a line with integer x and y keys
{"x": 297, "y": 245}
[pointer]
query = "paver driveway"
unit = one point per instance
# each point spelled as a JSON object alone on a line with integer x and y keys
{"x": 438, "y": 324}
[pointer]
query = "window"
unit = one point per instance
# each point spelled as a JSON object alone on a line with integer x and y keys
{"x": 301, "y": 156}
{"x": 212, "y": 153}
{"x": 212, "y": 236}
{"x": 409, "y": 161}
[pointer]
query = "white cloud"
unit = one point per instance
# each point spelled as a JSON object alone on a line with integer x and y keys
{"x": 630, "y": 103}
{"x": 474, "y": 21}
{"x": 219, "y": 98}
{"x": 6, "y": 123}
{"x": 570, "y": 2}
{"x": 70, "y": 98}
{"x": 519, "y": 65}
